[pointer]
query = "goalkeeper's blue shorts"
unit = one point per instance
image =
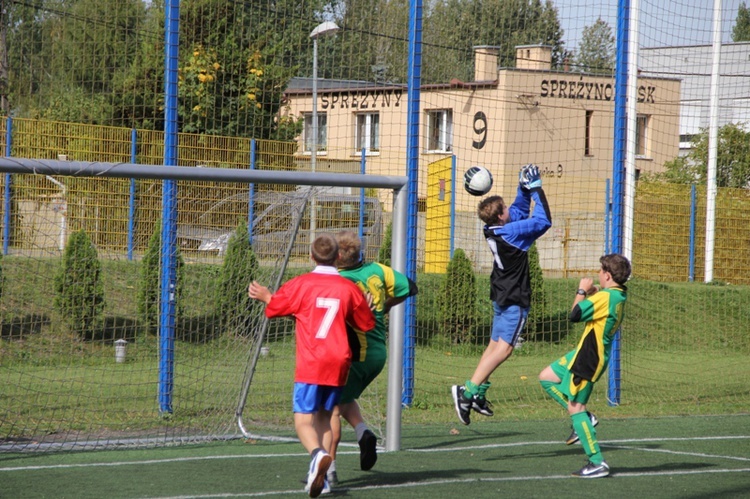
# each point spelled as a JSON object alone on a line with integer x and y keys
{"x": 508, "y": 323}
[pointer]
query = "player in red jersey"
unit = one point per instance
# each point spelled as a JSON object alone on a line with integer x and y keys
{"x": 328, "y": 310}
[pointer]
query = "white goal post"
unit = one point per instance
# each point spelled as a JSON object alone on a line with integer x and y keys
{"x": 397, "y": 184}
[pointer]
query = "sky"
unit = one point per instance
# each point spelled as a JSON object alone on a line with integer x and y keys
{"x": 662, "y": 22}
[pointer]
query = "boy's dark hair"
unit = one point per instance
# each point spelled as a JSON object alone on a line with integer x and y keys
{"x": 324, "y": 250}
{"x": 350, "y": 249}
{"x": 490, "y": 209}
{"x": 618, "y": 266}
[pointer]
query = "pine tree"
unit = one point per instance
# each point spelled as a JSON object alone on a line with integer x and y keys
{"x": 741, "y": 29}
{"x": 458, "y": 306}
{"x": 596, "y": 52}
{"x": 149, "y": 292}
{"x": 79, "y": 287}
{"x": 233, "y": 305}
{"x": 538, "y": 295}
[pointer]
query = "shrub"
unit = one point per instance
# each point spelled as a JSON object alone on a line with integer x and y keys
{"x": 79, "y": 287}
{"x": 233, "y": 306}
{"x": 384, "y": 254}
{"x": 149, "y": 290}
{"x": 538, "y": 295}
{"x": 459, "y": 299}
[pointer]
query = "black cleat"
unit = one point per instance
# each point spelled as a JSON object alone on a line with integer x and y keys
{"x": 463, "y": 405}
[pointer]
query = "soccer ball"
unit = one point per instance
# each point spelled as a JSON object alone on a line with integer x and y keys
{"x": 477, "y": 181}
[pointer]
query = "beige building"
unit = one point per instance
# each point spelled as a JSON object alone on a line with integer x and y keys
{"x": 505, "y": 118}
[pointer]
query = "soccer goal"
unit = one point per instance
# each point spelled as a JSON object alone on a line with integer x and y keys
{"x": 108, "y": 377}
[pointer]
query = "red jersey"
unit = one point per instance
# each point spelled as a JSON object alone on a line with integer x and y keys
{"x": 326, "y": 307}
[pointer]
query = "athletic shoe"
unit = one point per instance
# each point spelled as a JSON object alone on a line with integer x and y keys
{"x": 368, "y": 452}
{"x": 482, "y": 406}
{"x": 326, "y": 488}
{"x": 316, "y": 477}
{"x": 592, "y": 470}
{"x": 463, "y": 405}
{"x": 573, "y": 438}
{"x": 332, "y": 479}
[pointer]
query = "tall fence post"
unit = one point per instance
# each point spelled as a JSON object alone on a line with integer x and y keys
{"x": 8, "y": 191}
{"x": 131, "y": 199}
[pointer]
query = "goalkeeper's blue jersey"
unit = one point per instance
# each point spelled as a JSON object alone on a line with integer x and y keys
{"x": 510, "y": 283}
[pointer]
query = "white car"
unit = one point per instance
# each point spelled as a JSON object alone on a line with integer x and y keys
{"x": 274, "y": 218}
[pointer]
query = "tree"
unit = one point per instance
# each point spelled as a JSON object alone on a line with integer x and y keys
{"x": 741, "y": 29}
{"x": 453, "y": 27}
{"x": 596, "y": 52}
{"x": 538, "y": 295}
{"x": 79, "y": 287}
{"x": 458, "y": 307}
{"x": 732, "y": 161}
{"x": 149, "y": 296}
{"x": 233, "y": 305}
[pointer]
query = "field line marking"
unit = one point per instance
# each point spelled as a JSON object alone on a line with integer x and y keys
{"x": 608, "y": 443}
{"x": 455, "y": 481}
{"x": 676, "y": 452}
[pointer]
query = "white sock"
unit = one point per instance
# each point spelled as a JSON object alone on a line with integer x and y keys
{"x": 360, "y": 430}
{"x": 332, "y": 467}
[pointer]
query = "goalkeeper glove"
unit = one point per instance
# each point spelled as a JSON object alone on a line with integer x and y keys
{"x": 530, "y": 178}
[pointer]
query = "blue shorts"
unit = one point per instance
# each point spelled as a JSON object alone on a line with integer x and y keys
{"x": 508, "y": 323}
{"x": 308, "y": 399}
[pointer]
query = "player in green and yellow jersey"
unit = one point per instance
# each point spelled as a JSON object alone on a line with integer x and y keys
{"x": 387, "y": 288}
{"x": 570, "y": 379}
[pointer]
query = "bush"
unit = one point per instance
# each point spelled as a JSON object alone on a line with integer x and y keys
{"x": 384, "y": 254}
{"x": 538, "y": 295}
{"x": 79, "y": 287}
{"x": 233, "y": 306}
{"x": 459, "y": 304}
{"x": 149, "y": 290}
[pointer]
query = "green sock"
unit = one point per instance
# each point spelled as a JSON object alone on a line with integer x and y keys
{"x": 470, "y": 389}
{"x": 557, "y": 395}
{"x": 482, "y": 390}
{"x": 587, "y": 433}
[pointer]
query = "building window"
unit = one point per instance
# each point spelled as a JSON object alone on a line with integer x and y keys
{"x": 368, "y": 132}
{"x": 322, "y": 132}
{"x": 587, "y": 139}
{"x": 440, "y": 130}
{"x": 641, "y": 135}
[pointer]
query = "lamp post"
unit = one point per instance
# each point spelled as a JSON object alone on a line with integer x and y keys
{"x": 322, "y": 29}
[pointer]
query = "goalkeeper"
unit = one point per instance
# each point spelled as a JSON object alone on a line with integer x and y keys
{"x": 387, "y": 288}
{"x": 510, "y": 232}
{"x": 570, "y": 379}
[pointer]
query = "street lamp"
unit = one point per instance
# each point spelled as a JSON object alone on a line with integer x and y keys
{"x": 322, "y": 29}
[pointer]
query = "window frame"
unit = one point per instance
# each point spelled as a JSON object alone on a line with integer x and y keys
{"x": 367, "y": 130}
{"x": 322, "y": 133}
{"x": 439, "y": 131}
{"x": 641, "y": 135}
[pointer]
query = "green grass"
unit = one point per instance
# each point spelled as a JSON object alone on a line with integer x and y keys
{"x": 685, "y": 349}
{"x": 649, "y": 457}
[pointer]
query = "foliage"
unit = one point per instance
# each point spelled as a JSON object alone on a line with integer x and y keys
{"x": 741, "y": 28}
{"x": 149, "y": 296}
{"x": 458, "y": 306}
{"x": 453, "y": 27}
{"x": 79, "y": 288}
{"x": 538, "y": 308}
{"x": 233, "y": 305}
{"x": 732, "y": 161}
{"x": 596, "y": 52}
{"x": 384, "y": 254}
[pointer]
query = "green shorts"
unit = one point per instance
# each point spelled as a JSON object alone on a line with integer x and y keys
{"x": 361, "y": 375}
{"x": 575, "y": 388}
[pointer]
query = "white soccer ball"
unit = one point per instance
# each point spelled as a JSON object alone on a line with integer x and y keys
{"x": 477, "y": 181}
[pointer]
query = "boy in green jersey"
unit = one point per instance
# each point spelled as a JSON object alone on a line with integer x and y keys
{"x": 571, "y": 378}
{"x": 387, "y": 288}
